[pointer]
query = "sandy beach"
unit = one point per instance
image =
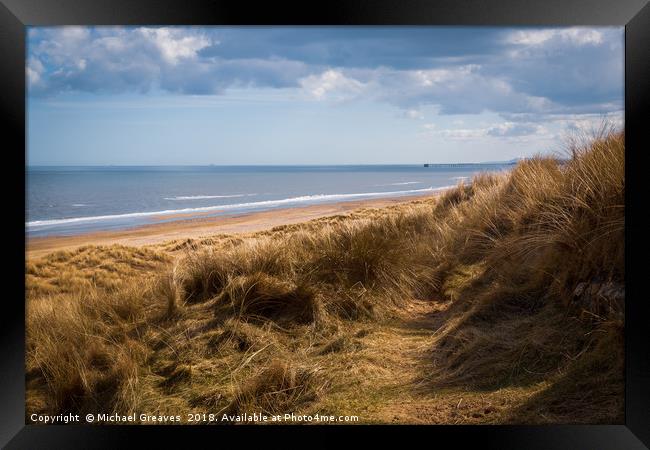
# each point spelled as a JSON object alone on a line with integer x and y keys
{"x": 197, "y": 227}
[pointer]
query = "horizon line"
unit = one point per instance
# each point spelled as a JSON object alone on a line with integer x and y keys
{"x": 272, "y": 165}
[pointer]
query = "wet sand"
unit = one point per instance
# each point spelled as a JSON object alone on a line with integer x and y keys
{"x": 198, "y": 227}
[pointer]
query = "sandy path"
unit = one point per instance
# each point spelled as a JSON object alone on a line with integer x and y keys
{"x": 392, "y": 378}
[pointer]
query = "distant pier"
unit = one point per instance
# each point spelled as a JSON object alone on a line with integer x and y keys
{"x": 469, "y": 165}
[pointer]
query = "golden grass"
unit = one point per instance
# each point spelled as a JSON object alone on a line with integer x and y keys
{"x": 501, "y": 301}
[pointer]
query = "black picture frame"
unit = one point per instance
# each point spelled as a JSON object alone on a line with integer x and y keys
{"x": 15, "y": 15}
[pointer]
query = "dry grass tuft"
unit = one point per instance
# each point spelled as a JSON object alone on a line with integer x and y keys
{"x": 80, "y": 349}
{"x": 260, "y": 296}
{"x": 277, "y": 389}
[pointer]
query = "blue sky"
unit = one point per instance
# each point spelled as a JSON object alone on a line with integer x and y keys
{"x": 315, "y": 95}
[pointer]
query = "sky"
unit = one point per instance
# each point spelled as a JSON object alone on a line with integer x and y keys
{"x": 315, "y": 95}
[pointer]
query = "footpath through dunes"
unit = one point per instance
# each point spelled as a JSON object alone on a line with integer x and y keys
{"x": 497, "y": 302}
{"x": 390, "y": 380}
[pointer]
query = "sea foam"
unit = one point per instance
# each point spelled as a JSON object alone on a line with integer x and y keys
{"x": 205, "y": 197}
{"x": 403, "y": 183}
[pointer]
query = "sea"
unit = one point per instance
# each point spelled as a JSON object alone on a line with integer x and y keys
{"x": 75, "y": 200}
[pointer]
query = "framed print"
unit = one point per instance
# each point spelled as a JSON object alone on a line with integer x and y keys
{"x": 403, "y": 217}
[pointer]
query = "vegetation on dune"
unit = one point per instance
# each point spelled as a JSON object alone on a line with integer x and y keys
{"x": 520, "y": 276}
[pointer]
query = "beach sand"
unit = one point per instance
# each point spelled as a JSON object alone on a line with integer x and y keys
{"x": 197, "y": 227}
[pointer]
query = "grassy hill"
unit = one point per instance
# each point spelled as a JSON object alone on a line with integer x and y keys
{"x": 500, "y": 301}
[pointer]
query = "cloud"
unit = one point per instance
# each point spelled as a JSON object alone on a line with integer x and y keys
{"x": 452, "y": 70}
{"x": 173, "y": 44}
{"x": 215, "y": 76}
{"x": 77, "y": 59}
{"x": 34, "y": 70}
{"x": 573, "y": 36}
{"x": 572, "y": 67}
{"x": 590, "y": 123}
{"x": 413, "y": 114}
{"x": 402, "y": 48}
{"x": 332, "y": 84}
{"x": 145, "y": 59}
{"x": 453, "y": 90}
{"x": 510, "y": 130}
{"x": 459, "y": 133}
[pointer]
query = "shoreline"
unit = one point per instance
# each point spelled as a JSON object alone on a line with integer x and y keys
{"x": 197, "y": 227}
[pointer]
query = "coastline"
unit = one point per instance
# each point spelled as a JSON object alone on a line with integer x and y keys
{"x": 195, "y": 227}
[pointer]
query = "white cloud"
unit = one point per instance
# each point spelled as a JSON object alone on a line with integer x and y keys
{"x": 114, "y": 59}
{"x": 509, "y": 130}
{"x": 575, "y": 36}
{"x": 74, "y": 33}
{"x": 34, "y": 70}
{"x": 175, "y": 44}
{"x": 428, "y": 78}
{"x": 113, "y": 44}
{"x": 535, "y": 37}
{"x": 332, "y": 85}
